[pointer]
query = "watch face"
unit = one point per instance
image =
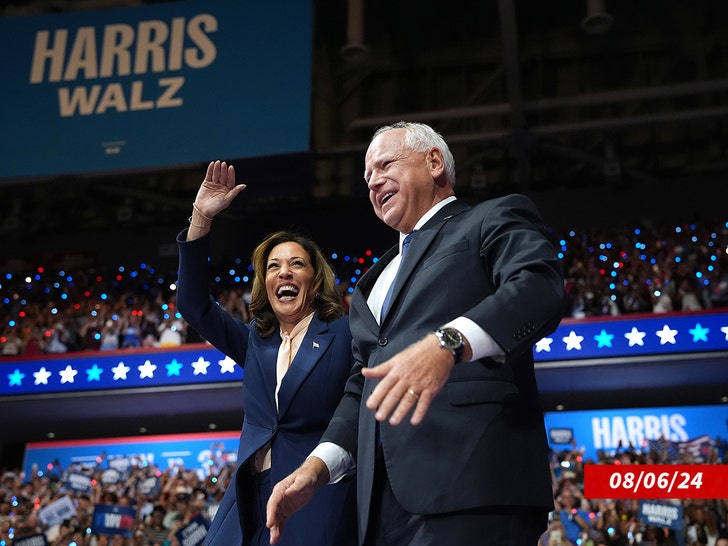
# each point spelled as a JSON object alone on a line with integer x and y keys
{"x": 452, "y": 338}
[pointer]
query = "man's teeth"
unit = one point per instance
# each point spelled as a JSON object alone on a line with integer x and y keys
{"x": 386, "y": 197}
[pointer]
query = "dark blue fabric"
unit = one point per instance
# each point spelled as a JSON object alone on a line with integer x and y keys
{"x": 388, "y": 297}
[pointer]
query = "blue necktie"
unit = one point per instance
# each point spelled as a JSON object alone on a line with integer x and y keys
{"x": 388, "y": 297}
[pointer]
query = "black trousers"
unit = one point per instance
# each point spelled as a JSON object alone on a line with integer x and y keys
{"x": 392, "y": 525}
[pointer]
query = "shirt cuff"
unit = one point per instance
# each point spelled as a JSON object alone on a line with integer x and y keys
{"x": 481, "y": 343}
{"x": 339, "y": 461}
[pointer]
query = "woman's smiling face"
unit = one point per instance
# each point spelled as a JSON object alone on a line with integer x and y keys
{"x": 289, "y": 283}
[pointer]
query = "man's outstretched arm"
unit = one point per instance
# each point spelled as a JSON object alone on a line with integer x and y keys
{"x": 293, "y": 493}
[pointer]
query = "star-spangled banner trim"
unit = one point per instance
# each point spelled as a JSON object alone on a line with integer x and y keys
{"x": 83, "y": 372}
{"x": 625, "y": 335}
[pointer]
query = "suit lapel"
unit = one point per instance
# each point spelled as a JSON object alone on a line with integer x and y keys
{"x": 420, "y": 245}
{"x": 266, "y": 355}
{"x": 416, "y": 253}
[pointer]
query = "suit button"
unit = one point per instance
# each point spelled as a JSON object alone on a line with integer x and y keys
{"x": 382, "y": 341}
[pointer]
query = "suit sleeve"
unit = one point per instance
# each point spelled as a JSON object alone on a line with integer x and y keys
{"x": 529, "y": 298}
{"x": 194, "y": 302}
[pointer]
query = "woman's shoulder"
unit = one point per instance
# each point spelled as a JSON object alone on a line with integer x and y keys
{"x": 342, "y": 321}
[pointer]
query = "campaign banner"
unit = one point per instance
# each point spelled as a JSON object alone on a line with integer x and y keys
{"x": 120, "y": 464}
{"x": 193, "y": 533}
{"x": 76, "y": 481}
{"x": 170, "y": 83}
{"x": 661, "y": 514}
{"x": 111, "y": 477}
{"x": 110, "y": 519}
{"x": 696, "y": 429}
{"x": 57, "y": 511}
{"x": 149, "y": 486}
{"x": 205, "y": 452}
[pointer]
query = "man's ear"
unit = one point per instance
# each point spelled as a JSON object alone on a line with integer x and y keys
{"x": 435, "y": 163}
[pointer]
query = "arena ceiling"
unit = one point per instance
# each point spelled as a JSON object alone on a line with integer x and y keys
{"x": 581, "y": 98}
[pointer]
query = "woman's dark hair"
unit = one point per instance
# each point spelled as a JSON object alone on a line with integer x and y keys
{"x": 327, "y": 302}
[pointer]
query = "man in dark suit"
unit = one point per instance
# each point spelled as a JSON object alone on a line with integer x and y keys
{"x": 477, "y": 287}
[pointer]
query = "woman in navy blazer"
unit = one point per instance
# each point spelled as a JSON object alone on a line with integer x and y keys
{"x": 288, "y": 396}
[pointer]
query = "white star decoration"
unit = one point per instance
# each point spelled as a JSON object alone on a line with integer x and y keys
{"x": 666, "y": 335}
{"x": 725, "y": 331}
{"x": 41, "y": 376}
{"x": 200, "y": 365}
{"x": 635, "y": 337}
{"x": 227, "y": 365}
{"x": 68, "y": 374}
{"x": 573, "y": 341}
{"x": 146, "y": 370}
{"x": 120, "y": 371}
{"x": 544, "y": 345}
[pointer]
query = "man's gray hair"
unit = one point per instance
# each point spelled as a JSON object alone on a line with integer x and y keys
{"x": 422, "y": 138}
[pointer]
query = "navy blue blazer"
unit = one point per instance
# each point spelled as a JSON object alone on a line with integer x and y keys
{"x": 308, "y": 396}
{"x": 483, "y": 440}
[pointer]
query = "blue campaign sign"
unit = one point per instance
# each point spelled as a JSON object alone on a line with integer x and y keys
{"x": 171, "y": 83}
{"x": 76, "y": 481}
{"x": 193, "y": 533}
{"x": 110, "y": 519}
{"x": 689, "y": 428}
{"x": 661, "y": 514}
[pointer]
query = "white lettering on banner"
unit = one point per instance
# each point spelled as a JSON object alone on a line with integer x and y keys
{"x": 634, "y": 429}
{"x": 79, "y": 481}
{"x": 666, "y": 513}
{"x": 152, "y": 47}
{"x": 193, "y": 534}
{"x": 112, "y": 521}
{"x": 57, "y": 511}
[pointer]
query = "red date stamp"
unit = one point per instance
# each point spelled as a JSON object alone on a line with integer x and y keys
{"x": 699, "y": 481}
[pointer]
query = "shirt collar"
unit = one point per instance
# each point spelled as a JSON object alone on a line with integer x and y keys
{"x": 425, "y": 217}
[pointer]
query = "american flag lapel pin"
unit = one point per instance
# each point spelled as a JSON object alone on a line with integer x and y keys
{"x": 315, "y": 345}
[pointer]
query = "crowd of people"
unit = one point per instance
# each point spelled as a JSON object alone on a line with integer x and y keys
{"x": 580, "y": 521}
{"x": 650, "y": 269}
{"x": 177, "y": 497}
{"x": 182, "y": 494}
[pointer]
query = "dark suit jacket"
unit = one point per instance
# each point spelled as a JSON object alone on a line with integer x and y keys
{"x": 482, "y": 441}
{"x": 309, "y": 393}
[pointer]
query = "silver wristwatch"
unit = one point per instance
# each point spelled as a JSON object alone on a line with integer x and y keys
{"x": 452, "y": 340}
